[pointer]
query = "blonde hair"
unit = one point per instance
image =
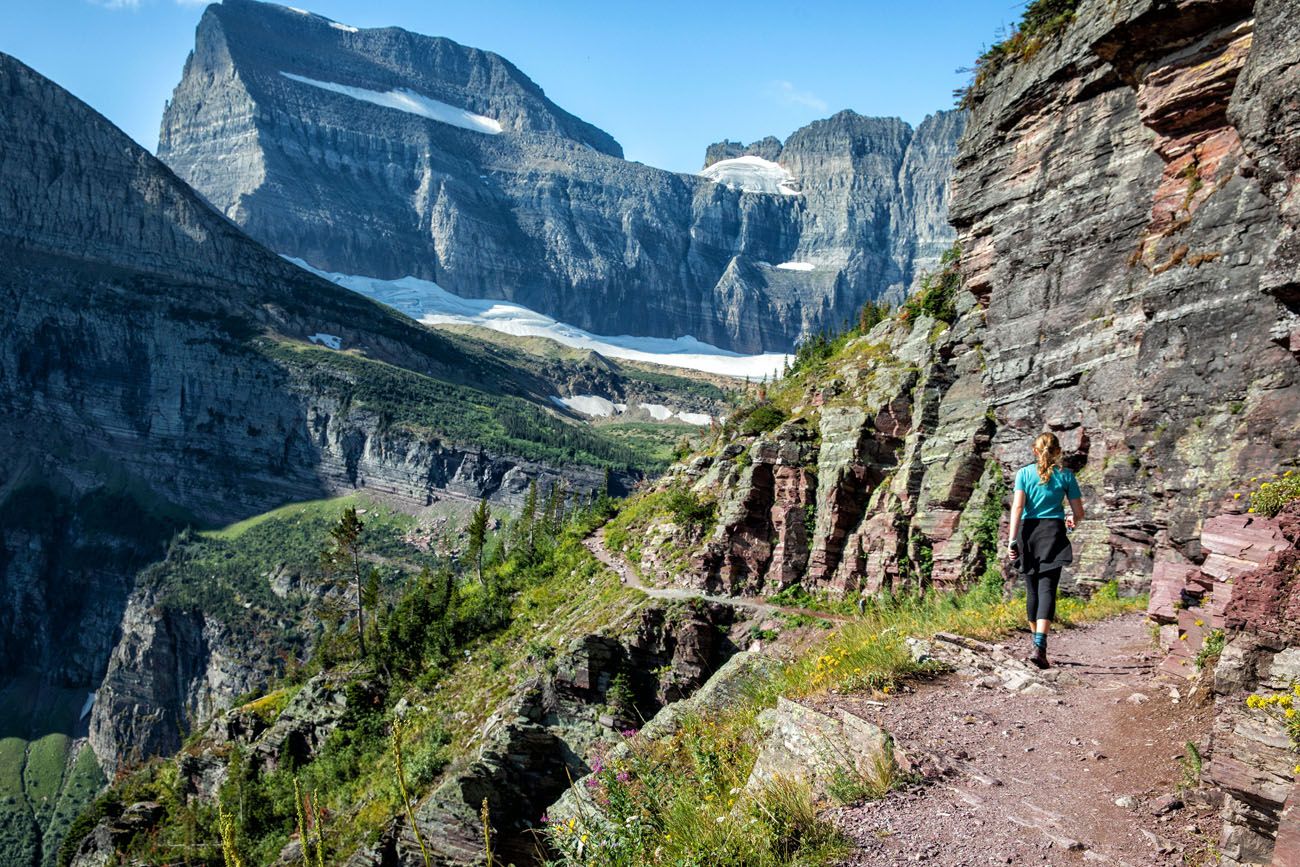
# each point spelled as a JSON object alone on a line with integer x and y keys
{"x": 1047, "y": 449}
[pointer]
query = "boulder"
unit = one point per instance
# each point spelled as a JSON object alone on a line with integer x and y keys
{"x": 805, "y": 747}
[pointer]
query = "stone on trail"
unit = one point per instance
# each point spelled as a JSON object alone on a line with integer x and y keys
{"x": 989, "y": 664}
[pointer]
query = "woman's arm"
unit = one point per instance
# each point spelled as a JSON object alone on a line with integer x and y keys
{"x": 1076, "y": 518}
{"x": 1017, "y": 509}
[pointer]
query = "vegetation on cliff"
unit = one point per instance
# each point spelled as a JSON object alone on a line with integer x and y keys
{"x": 444, "y": 649}
{"x": 1041, "y": 22}
{"x": 459, "y": 414}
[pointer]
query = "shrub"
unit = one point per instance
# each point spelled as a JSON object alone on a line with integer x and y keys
{"x": 1190, "y": 765}
{"x": 1211, "y": 648}
{"x": 1275, "y": 493}
{"x": 1042, "y": 21}
{"x": 937, "y": 295}
{"x": 687, "y": 509}
{"x": 1281, "y": 707}
{"x": 871, "y": 315}
{"x": 761, "y": 419}
{"x": 620, "y": 696}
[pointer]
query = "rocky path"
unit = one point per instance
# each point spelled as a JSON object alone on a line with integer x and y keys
{"x": 616, "y": 562}
{"x": 1083, "y": 770}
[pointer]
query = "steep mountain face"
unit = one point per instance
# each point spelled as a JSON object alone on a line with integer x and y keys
{"x": 1130, "y": 257}
{"x": 384, "y": 153}
{"x": 874, "y": 201}
{"x": 160, "y": 368}
{"x": 1124, "y": 210}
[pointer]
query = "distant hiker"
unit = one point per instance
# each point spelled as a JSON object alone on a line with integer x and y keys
{"x": 1039, "y": 542}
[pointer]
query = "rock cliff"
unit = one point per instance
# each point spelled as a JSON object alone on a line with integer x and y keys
{"x": 1124, "y": 215}
{"x": 384, "y": 153}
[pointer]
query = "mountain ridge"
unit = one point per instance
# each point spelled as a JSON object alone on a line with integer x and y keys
{"x": 544, "y": 219}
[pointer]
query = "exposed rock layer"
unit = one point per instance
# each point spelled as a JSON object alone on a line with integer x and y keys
{"x": 1124, "y": 205}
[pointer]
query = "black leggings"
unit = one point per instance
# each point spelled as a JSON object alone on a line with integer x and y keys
{"x": 1040, "y": 594}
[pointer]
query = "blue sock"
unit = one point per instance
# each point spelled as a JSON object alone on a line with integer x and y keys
{"x": 1040, "y": 640}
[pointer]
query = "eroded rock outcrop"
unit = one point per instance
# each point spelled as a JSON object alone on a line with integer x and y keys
{"x": 549, "y": 732}
{"x": 1253, "y": 760}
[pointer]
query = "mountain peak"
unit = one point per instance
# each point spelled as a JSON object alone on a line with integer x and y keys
{"x": 258, "y": 42}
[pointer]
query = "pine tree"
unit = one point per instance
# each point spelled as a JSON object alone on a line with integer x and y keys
{"x": 554, "y": 513}
{"x": 478, "y": 525}
{"x": 343, "y": 554}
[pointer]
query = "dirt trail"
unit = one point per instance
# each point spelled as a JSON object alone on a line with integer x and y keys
{"x": 596, "y": 544}
{"x": 1033, "y": 779}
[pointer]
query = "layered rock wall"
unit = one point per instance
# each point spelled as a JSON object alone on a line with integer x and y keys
{"x": 1123, "y": 201}
{"x": 1116, "y": 231}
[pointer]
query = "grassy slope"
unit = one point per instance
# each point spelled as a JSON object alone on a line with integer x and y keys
{"x": 455, "y": 413}
{"x": 675, "y": 379}
{"x": 42, "y": 789}
{"x": 223, "y": 571}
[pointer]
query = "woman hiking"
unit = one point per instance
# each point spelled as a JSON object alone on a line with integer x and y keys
{"x": 1039, "y": 541}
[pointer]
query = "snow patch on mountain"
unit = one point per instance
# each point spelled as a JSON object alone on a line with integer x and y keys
{"x": 751, "y": 174}
{"x": 797, "y": 266}
{"x": 598, "y": 407}
{"x": 333, "y": 341}
{"x": 589, "y": 404}
{"x": 428, "y": 302}
{"x": 404, "y": 99}
{"x": 346, "y": 28}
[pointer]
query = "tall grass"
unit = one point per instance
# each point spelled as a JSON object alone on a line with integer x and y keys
{"x": 682, "y": 800}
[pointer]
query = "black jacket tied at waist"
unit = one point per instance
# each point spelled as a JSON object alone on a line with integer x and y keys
{"x": 1044, "y": 546}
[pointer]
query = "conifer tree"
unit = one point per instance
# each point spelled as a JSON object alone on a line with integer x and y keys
{"x": 478, "y": 525}
{"x": 343, "y": 554}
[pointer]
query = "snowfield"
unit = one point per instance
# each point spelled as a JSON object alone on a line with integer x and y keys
{"x": 333, "y": 341}
{"x": 797, "y": 266}
{"x": 427, "y": 302}
{"x": 410, "y": 102}
{"x": 590, "y": 404}
{"x": 751, "y": 174}
{"x": 599, "y": 407}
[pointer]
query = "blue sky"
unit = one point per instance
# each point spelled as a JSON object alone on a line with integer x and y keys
{"x": 664, "y": 77}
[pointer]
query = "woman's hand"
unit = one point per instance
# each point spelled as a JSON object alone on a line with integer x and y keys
{"x": 1013, "y": 551}
{"x": 1069, "y": 522}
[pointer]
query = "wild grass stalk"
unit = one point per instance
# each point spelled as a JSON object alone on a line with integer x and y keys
{"x": 406, "y": 796}
{"x": 229, "y": 845}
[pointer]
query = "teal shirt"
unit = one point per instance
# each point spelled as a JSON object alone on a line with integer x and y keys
{"x": 1047, "y": 500}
